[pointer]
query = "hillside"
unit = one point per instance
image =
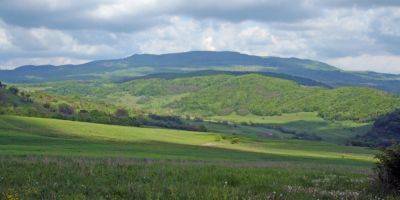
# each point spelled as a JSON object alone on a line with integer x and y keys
{"x": 13, "y": 101}
{"x": 225, "y": 94}
{"x": 263, "y": 95}
{"x": 144, "y": 64}
{"x": 385, "y": 132}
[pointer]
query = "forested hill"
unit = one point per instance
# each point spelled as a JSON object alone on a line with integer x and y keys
{"x": 261, "y": 95}
{"x": 299, "y": 80}
{"x": 144, "y": 64}
{"x": 385, "y": 131}
{"x": 225, "y": 94}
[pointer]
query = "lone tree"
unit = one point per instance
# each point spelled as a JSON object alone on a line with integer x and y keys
{"x": 121, "y": 113}
{"x": 2, "y": 85}
{"x": 388, "y": 170}
{"x": 65, "y": 109}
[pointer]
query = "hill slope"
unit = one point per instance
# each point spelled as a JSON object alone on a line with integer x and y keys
{"x": 142, "y": 64}
{"x": 385, "y": 132}
{"x": 262, "y": 95}
{"x": 241, "y": 94}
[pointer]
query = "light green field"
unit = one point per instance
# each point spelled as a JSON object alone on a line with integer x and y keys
{"x": 338, "y": 132}
{"x": 23, "y": 135}
{"x": 278, "y": 119}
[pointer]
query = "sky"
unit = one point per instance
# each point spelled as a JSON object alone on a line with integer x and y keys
{"x": 350, "y": 34}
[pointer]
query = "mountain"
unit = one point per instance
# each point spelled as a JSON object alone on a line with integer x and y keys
{"x": 144, "y": 64}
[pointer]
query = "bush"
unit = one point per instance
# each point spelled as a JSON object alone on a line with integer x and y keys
{"x": 218, "y": 138}
{"x": 13, "y": 90}
{"x": 235, "y": 140}
{"x": 121, "y": 113}
{"x": 388, "y": 170}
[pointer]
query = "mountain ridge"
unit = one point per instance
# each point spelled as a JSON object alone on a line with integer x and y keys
{"x": 144, "y": 64}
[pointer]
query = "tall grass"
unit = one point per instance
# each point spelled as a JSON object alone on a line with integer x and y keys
{"x": 118, "y": 178}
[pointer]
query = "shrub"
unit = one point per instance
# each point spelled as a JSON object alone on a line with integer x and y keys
{"x": 121, "y": 113}
{"x": 13, "y": 90}
{"x": 46, "y": 105}
{"x": 235, "y": 140}
{"x": 218, "y": 138}
{"x": 388, "y": 170}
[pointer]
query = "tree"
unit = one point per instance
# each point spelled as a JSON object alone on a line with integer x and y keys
{"x": 3, "y": 97}
{"x": 2, "y": 85}
{"x": 121, "y": 113}
{"x": 388, "y": 170}
{"x": 65, "y": 109}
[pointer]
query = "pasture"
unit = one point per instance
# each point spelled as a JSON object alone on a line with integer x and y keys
{"x": 53, "y": 159}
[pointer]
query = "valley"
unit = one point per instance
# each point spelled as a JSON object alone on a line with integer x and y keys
{"x": 236, "y": 134}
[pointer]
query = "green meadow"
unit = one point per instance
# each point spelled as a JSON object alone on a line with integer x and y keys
{"x": 25, "y": 136}
{"x": 59, "y": 159}
{"x": 338, "y": 132}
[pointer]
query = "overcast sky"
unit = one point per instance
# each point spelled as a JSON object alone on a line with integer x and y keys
{"x": 350, "y": 34}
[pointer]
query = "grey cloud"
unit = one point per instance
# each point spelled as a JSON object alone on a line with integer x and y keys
{"x": 75, "y": 14}
{"x": 265, "y": 11}
{"x": 360, "y": 3}
{"x": 72, "y": 16}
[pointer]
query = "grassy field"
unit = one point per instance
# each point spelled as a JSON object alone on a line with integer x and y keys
{"x": 56, "y": 159}
{"x": 338, "y": 132}
{"x": 25, "y": 135}
{"x": 89, "y": 178}
{"x": 279, "y": 119}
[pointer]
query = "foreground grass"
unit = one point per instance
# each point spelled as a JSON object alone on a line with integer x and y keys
{"x": 88, "y": 178}
{"x": 57, "y": 159}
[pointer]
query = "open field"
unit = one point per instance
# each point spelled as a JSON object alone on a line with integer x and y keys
{"x": 24, "y": 135}
{"x": 309, "y": 123}
{"x": 52, "y": 159}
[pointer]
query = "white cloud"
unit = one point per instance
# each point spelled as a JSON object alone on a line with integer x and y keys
{"x": 119, "y": 9}
{"x": 10, "y": 64}
{"x": 185, "y": 34}
{"x": 4, "y": 40}
{"x": 380, "y": 63}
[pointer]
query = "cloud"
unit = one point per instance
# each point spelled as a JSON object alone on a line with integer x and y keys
{"x": 239, "y": 10}
{"x": 129, "y": 15}
{"x": 9, "y": 64}
{"x": 184, "y": 34}
{"x": 381, "y": 63}
{"x": 360, "y": 3}
{"x": 76, "y": 15}
{"x": 337, "y": 31}
{"x": 39, "y": 44}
